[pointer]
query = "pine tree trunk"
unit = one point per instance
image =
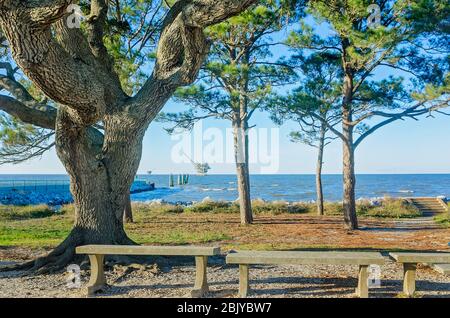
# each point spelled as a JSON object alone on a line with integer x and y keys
{"x": 242, "y": 170}
{"x": 349, "y": 180}
{"x": 319, "y": 188}
{"x": 349, "y": 202}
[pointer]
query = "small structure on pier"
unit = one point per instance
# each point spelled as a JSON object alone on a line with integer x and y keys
{"x": 202, "y": 169}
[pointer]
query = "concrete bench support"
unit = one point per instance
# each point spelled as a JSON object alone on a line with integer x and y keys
{"x": 244, "y": 283}
{"x": 97, "y": 281}
{"x": 201, "y": 281}
{"x": 409, "y": 278}
{"x": 97, "y": 254}
{"x": 362, "y": 291}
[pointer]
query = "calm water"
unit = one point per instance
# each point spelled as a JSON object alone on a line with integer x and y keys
{"x": 267, "y": 187}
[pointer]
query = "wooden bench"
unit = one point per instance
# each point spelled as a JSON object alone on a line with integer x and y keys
{"x": 442, "y": 268}
{"x": 97, "y": 253}
{"x": 363, "y": 259}
{"x": 410, "y": 261}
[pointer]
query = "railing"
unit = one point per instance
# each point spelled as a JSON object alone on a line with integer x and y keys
{"x": 42, "y": 185}
{"x": 33, "y": 185}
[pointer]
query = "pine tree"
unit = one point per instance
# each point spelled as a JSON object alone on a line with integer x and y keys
{"x": 318, "y": 94}
{"x": 236, "y": 80}
{"x": 394, "y": 64}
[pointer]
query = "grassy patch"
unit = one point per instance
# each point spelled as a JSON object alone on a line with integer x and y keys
{"x": 11, "y": 212}
{"x": 213, "y": 207}
{"x": 443, "y": 220}
{"x": 280, "y": 207}
{"x": 258, "y": 207}
{"x": 394, "y": 208}
{"x": 142, "y": 208}
{"x": 389, "y": 208}
{"x": 35, "y": 232}
{"x": 333, "y": 208}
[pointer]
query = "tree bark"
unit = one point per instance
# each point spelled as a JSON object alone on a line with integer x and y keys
{"x": 100, "y": 183}
{"x": 349, "y": 180}
{"x": 319, "y": 188}
{"x": 349, "y": 201}
{"x": 128, "y": 213}
{"x": 242, "y": 170}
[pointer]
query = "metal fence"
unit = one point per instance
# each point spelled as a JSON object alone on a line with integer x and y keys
{"x": 40, "y": 185}
{"x": 33, "y": 185}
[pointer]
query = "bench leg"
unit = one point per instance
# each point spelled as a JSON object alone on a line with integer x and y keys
{"x": 97, "y": 281}
{"x": 201, "y": 282}
{"x": 362, "y": 291}
{"x": 409, "y": 279}
{"x": 243, "y": 281}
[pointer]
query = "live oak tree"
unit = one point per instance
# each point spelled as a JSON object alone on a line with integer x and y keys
{"x": 99, "y": 125}
{"x": 236, "y": 80}
{"x": 392, "y": 70}
{"x": 131, "y": 30}
{"x": 318, "y": 94}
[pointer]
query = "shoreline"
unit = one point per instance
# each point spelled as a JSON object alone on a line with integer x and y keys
{"x": 60, "y": 199}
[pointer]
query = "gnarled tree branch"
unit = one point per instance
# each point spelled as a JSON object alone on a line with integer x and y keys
{"x": 67, "y": 78}
{"x": 41, "y": 118}
{"x": 182, "y": 49}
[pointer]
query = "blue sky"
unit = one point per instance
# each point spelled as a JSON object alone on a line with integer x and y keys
{"x": 403, "y": 147}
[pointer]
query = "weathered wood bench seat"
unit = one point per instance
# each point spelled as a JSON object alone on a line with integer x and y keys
{"x": 97, "y": 253}
{"x": 410, "y": 261}
{"x": 363, "y": 259}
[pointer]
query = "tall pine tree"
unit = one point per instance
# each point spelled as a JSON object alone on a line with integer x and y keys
{"x": 236, "y": 80}
{"x": 318, "y": 95}
{"x": 394, "y": 62}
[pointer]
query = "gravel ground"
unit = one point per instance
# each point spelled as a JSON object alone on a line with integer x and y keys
{"x": 166, "y": 279}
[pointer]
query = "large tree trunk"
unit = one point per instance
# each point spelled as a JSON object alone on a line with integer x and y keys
{"x": 319, "y": 188}
{"x": 242, "y": 170}
{"x": 100, "y": 179}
